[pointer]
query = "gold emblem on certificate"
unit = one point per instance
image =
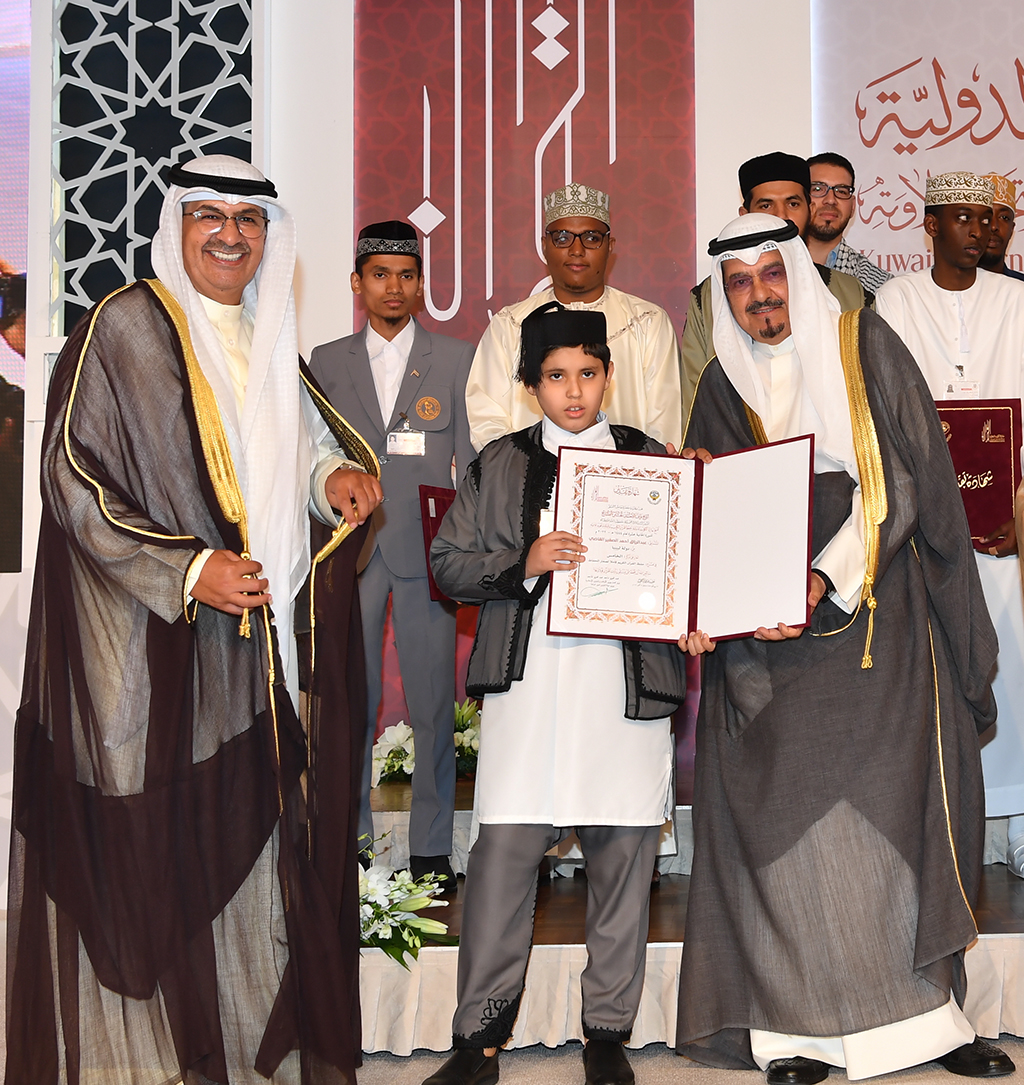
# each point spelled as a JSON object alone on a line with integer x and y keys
{"x": 428, "y": 408}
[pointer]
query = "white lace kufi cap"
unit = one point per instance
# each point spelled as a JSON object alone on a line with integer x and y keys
{"x": 947, "y": 188}
{"x": 576, "y": 201}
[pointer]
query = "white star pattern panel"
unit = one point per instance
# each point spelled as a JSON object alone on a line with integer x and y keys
{"x": 138, "y": 85}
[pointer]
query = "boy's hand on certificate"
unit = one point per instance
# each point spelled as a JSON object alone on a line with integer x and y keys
{"x": 789, "y": 632}
{"x": 554, "y": 552}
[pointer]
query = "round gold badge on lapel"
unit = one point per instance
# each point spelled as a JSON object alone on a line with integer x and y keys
{"x": 428, "y": 408}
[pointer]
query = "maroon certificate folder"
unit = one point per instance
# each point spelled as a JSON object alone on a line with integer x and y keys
{"x": 984, "y": 438}
{"x": 435, "y": 501}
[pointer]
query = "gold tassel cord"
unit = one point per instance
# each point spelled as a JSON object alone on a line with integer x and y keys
{"x": 216, "y": 450}
{"x": 360, "y": 452}
{"x": 869, "y": 465}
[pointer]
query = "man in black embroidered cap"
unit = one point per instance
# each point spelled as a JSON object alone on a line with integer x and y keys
{"x": 574, "y": 732}
{"x": 772, "y": 184}
{"x": 404, "y": 390}
{"x": 174, "y": 914}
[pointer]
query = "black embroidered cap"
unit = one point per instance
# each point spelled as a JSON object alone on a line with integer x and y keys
{"x": 777, "y": 166}
{"x": 552, "y": 325}
{"x": 391, "y": 236}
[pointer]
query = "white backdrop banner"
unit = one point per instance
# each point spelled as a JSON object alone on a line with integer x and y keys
{"x": 906, "y": 90}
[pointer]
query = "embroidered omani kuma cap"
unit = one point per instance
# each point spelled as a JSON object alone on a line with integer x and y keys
{"x": 575, "y": 200}
{"x": 391, "y": 236}
{"x": 958, "y": 187}
{"x": 1006, "y": 190}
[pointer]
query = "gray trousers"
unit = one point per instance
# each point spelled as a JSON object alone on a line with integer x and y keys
{"x": 425, "y": 637}
{"x": 497, "y": 927}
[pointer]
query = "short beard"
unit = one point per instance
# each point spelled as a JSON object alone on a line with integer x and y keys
{"x": 392, "y": 321}
{"x": 829, "y": 231}
{"x": 771, "y": 331}
{"x": 990, "y": 261}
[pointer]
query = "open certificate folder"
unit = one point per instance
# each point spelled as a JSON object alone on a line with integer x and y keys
{"x": 677, "y": 545}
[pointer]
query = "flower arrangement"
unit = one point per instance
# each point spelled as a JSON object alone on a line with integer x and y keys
{"x": 467, "y": 736}
{"x": 388, "y": 903}
{"x": 394, "y": 755}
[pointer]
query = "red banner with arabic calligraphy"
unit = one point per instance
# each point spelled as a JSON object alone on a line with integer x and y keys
{"x": 466, "y": 114}
{"x": 903, "y": 97}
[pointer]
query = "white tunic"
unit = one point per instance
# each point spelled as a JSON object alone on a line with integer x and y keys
{"x": 556, "y": 748}
{"x": 981, "y": 330}
{"x": 644, "y": 392}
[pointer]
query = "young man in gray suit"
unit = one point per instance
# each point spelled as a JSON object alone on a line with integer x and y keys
{"x": 404, "y": 390}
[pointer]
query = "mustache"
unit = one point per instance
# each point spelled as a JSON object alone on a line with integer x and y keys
{"x": 216, "y": 245}
{"x": 765, "y": 306}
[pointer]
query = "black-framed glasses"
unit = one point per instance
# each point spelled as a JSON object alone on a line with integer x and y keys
{"x": 249, "y": 224}
{"x": 820, "y": 190}
{"x": 591, "y": 239}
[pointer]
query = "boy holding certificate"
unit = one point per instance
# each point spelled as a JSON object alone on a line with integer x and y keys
{"x": 574, "y": 732}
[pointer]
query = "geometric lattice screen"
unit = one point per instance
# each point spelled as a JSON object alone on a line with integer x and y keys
{"x": 138, "y": 84}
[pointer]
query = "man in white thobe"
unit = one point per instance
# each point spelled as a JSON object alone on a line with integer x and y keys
{"x": 965, "y": 329}
{"x": 577, "y": 243}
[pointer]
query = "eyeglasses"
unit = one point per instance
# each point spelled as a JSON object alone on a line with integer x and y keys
{"x": 248, "y": 223}
{"x": 591, "y": 239}
{"x": 843, "y": 192}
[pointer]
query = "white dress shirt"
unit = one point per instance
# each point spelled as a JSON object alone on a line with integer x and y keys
{"x": 388, "y": 360}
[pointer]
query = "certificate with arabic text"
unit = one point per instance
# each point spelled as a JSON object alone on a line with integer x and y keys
{"x": 675, "y": 545}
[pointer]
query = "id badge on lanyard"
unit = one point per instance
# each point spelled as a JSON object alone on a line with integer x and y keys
{"x": 960, "y": 388}
{"x": 406, "y": 441}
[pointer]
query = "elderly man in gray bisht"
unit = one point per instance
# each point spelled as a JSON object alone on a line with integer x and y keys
{"x": 168, "y": 923}
{"x": 838, "y": 805}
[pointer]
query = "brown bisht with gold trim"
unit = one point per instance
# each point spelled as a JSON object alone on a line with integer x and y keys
{"x": 168, "y": 919}
{"x": 838, "y": 803}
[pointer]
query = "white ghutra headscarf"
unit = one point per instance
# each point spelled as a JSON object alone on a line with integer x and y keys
{"x": 271, "y": 445}
{"x": 814, "y": 326}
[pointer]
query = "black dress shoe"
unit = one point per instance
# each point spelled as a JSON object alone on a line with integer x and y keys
{"x": 796, "y": 1071}
{"x": 438, "y": 865}
{"x": 606, "y": 1064}
{"x": 468, "y": 1066}
{"x": 978, "y": 1059}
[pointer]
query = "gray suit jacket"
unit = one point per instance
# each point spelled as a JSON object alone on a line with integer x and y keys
{"x": 433, "y": 397}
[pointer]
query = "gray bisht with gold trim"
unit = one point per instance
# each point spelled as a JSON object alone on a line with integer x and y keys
{"x": 838, "y": 806}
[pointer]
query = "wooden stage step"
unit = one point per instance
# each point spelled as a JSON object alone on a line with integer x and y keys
{"x": 562, "y": 902}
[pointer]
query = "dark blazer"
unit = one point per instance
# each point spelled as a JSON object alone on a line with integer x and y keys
{"x": 433, "y": 397}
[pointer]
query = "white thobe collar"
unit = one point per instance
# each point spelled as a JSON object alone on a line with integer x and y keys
{"x": 583, "y": 306}
{"x": 233, "y": 325}
{"x": 778, "y": 366}
{"x": 599, "y": 435}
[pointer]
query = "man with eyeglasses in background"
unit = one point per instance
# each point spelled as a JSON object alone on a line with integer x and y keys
{"x": 577, "y": 243}
{"x": 832, "y": 206}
